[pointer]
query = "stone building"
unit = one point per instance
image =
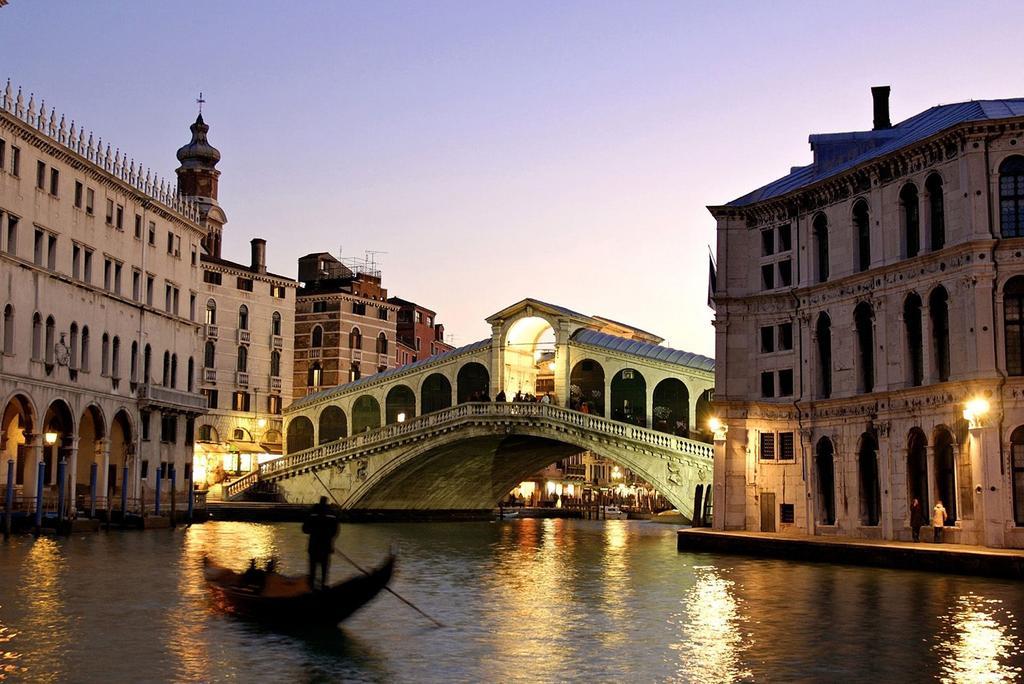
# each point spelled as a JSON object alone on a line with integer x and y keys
{"x": 869, "y": 334}
{"x": 418, "y": 333}
{"x": 345, "y": 328}
{"x": 100, "y": 337}
{"x": 248, "y": 317}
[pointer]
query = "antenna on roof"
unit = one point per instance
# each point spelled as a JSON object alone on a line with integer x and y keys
{"x": 371, "y": 257}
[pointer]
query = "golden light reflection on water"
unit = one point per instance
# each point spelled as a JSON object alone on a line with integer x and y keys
{"x": 616, "y": 580}
{"x": 712, "y": 642}
{"x": 40, "y": 585}
{"x": 979, "y": 642}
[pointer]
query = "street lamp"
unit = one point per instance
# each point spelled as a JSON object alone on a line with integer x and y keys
{"x": 261, "y": 423}
{"x": 975, "y": 412}
{"x": 401, "y": 417}
{"x": 51, "y": 438}
{"x": 717, "y": 427}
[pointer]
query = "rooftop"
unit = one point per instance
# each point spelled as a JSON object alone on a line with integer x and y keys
{"x": 654, "y": 352}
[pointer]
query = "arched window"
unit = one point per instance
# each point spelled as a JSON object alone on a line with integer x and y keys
{"x": 85, "y": 348}
{"x": 1013, "y": 324}
{"x": 275, "y": 324}
{"x": 51, "y": 333}
{"x": 915, "y": 349}
{"x": 191, "y": 380}
{"x": 243, "y": 360}
{"x": 863, "y": 318}
{"x": 147, "y": 363}
{"x": 910, "y": 211}
{"x": 243, "y": 317}
{"x": 74, "y": 346}
{"x": 166, "y": 376}
{"x": 37, "y": 337}
{"x": 8, "y": 329}
{"x": 917, "y": 468}
{"x": 821, "y": 246}
{"x": 315, "y": 377}
{"x": 936, "y": 213}
{"x": 1011, "y": 196}
{"x": 862, "y": 233}
{"x": 105, "y": 355}
{"x": 275, "y": 363}
{"x": 867, "y": 467}
{"x": 938, "y": 309}
{"x": 134, "y": 370}
{"x": 382, "y": 344}
{"x": 115, "y": 358}
{"x": 211, "y": 312}
{"x": 355, "y": 339}
{"x": 209, "y": 354}
{"x": 317, "y": 338}
{"x": 174, "y": 371}
{"x": 1017, "y": 474}
{"x": 823, "y": 330}
{"x": 825, "y": 466}
{"x": 945, "y": 473}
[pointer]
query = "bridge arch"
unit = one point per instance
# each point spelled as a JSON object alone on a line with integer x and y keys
{"x": 629, "y": 396}
{"x": 671, "y": 407}
{"x": 472, "y": 380}
{"x": 365, "y": 414}
{"x": 333, "y": 424}
{"x": 587, "y": 386}
{"x": 300, "y": 434}
{"x": 703, "y": 411}
{"x": 435, "y": 393}
{"x": 399, "y": 405}
{"x": 527, "y": 342}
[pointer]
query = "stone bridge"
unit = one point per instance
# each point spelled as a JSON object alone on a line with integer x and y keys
{"x": 434, "y": 435}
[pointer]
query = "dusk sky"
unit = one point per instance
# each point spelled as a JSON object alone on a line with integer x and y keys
{"x": 563, "y": 151}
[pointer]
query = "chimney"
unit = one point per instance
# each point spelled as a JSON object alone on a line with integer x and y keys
{"x": 259, "y": 255}
{"x": 880, "y": 94}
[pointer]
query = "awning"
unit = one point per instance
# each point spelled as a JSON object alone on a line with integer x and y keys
{"x": 239, "y": 447}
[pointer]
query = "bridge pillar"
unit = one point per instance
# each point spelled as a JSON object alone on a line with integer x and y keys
{"x": 562, "y": 367}
{"x": 497, "y": 368}
{"x": 649, "y": 405}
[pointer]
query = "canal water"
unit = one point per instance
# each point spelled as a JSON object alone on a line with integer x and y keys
{"x": 524, "y": 600}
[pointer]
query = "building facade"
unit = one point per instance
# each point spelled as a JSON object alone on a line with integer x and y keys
{"x": 418, "y": 332}
{"x": 869, "y": 347}
{"x": 101, "y": 336}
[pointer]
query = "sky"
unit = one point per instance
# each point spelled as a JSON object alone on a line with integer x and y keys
{"x": 490, "y": 151}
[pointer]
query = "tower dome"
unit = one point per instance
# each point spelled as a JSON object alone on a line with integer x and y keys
{"x": 199, "y": 151}
{"x": 197, "y": 179}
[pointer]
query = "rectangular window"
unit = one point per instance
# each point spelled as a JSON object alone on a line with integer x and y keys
{"x": 152, "y": 233}
{"x": 192, "y": 306}
{"x": 37, "y": 250}
{"x": 786, "y": 514}
{"x": 138, "y": 226}
{"x": 319, "y": 307}
{"x": 767, "y": 446}
{"x": 785, "y": 336}
{"x": 211, "y": 277}
{"x": 168, "y": 428}
{"x": 787, "y": 451}
{"x": 144, "y": 419}
{"x": 786, "y": 382}
{"x": 176, "y": 297}
{"x": 767, "y": 242}
{"x": 211, "y": 398}
{"x": 136, "y": 285}
{"x": 79, "y": 194}
{"x": 767, "y": 384}
{"x": 110, "y": 212}
{"x": 245, "y": 284}
{"x": 3, "y": 154}
{"x": 359, "y": 308}
{"x": 190, "y": 431}
{"x": 12, "y": 235}
{"x": 195, "y": 255}
{"x": 768, "y": 277}
{"x": 41, "y": 175}
{"x": 51, "y": 253}
{"x": 274, "y": 405}
{"x": 167, "y": 297}
{"x": 785, "y": 239}
{"x": 277, "y": 291}
{"x": 87, "y": 268}
{"x": 240, "y": 401}
{"x": 76, "y": 262}
{"x": 90, "y": 199}
{"x": 382, "y": 313}
{"x": 108, "y": 273}
{"x": 785, "y": 273}
{"x": 767, "y": 339}
{"x": 149, "y": 290}
{"x": 54, "y": 182}
{"x": 119, "y": 218}
{"x": 117, "y": 278}
{"x": 170, "y": 242}
{"x": 15, "y": 161}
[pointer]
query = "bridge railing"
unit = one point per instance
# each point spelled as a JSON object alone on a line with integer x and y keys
{"x": 389, "y": 433}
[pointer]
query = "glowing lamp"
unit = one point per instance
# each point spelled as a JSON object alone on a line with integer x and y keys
{"x": 551, "y": 366}
{"x": 401, "y": 417}
{"x": 51, "y": 438}
{"x": 261, "y": 423}
{"x": 975, "y": 412}
{"x": 717, "y": 427}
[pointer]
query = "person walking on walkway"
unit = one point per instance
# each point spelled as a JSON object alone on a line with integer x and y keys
{"x": 939, "y": 520}
{"x": 916, "y": 518}
{"x": 322, "y": 528}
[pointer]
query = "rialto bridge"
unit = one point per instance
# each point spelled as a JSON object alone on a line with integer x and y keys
{"x": 445, "y": 433}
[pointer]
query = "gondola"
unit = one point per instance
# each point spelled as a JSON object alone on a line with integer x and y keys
{"x": 277, "y": 599}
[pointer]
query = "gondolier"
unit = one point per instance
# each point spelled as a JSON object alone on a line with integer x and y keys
{"x": 322, "y": 528}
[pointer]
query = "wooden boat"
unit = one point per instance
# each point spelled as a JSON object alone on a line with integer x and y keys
{"x": 268, "y": 596}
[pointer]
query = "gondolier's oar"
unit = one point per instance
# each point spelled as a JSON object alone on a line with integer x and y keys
{"x": 360, "y": 568}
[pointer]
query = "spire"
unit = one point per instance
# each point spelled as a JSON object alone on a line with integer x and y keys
{"x": 197, "y": 180}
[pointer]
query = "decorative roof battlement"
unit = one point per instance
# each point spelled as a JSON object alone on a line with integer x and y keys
{"x": 73, "y": 138}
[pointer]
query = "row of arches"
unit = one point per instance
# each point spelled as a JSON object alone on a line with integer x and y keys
{"x": 243, "y": 317}
{"x": 920, "y": 484}
{"x": 355, "y": 339}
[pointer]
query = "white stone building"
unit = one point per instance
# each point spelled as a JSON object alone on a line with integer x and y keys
{"x": 99, "y": 262}
{"x": 863, "y": 302}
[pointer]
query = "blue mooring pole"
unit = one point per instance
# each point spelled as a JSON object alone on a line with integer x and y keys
{"x": 156, "y": 499}
{"x": 124, "y": 494}
{"x": 62, "y": 467}
{"x": 174, "y": 492}
{"x": 92, "y": 489}
{"x": 39, "y": 495}
{"x": 9, "y": 498}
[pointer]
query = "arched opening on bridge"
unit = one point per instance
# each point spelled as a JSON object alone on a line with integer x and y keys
{"x": 400, "y": 405}
{"x": 333, "y": 424}
{"x": 365, "y": 414}
{"x": 671, "y": 410}
{"x": 702, "y": 430}
{"x": 91, "y": 428}
{"x": 58, "y": 420}
{"x": 121, "y": 447}
{"x": 867, "y": 468}
{"x": 473, "y": 382}
{"x": 435, "y": 394}
{"x": 945, "y": 472}
{"x": 586, "y": 387}
{"x": 824, "y": 464}
{"x": 529, "y": 354}
{"x": 18, "y": 425}
{"x": 300, "y": 434}
{"x": 917, "y": 468}
{"x": 629, "y": 397}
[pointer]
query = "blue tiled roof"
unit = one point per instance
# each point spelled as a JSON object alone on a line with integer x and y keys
{"x": 391, "y": 372}
{"x": 913, "y": 130}
{"x": 644, "y": 349}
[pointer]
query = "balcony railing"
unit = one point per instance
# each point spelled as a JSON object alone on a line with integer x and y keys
{"x": 314, "y": 353}
{"x": 244, "y": 336}
{"x": 212, "y": 331}
{"x": 209, "y": 375}
{"x": 171, "y": 398}
{"x": 241, "y": 379}
{"x": 276, "y": 342}
{"x": 275, "y": 383}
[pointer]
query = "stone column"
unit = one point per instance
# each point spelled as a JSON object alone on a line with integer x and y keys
{"x": 34, "y": 454}
{"x": 649, "y": 404}
{"x": 71, "y": 473}
{"x": 719, "y": 502}
{"x": 102, "y": 458}
{"x": 608, "y": 394}
{"x": 497, "y": 361}
{"x": 885, "y": 481}
{"x": 933, "y": 484}
{"x": 562, "y": 367}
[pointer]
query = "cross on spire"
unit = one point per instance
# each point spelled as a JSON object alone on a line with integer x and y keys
{"x": 200, "y": 101}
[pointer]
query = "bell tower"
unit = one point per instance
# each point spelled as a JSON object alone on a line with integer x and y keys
{"x": 197, "y": 180}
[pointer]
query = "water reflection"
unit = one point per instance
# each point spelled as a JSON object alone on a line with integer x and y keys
{"x": 40, "y": 585}
{"x": 979, "y": 644}
{"x": 712, "y": 644}
{"x": 615, "y": 582}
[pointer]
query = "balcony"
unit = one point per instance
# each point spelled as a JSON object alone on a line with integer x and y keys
{"x": 314, "y": 353}
{"x": 357, "y": 355}
{"x": 209, "y": 375}
{"x": 165, "y": 397}
{"x": 382, "y": 360}
{"x": 275, "y": 383}
{"x": 241, "y": 379}
{"x": 244, "y": 337}
{"x": 276, "y": 342}
{"x": 212, "y": 331}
